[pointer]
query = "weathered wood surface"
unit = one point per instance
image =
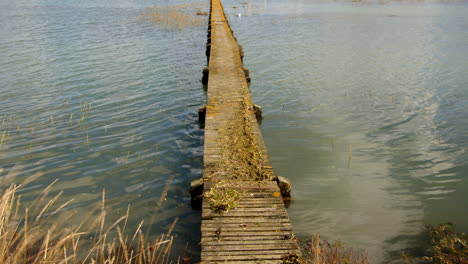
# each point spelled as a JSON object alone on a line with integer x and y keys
{"x": 258, "y": 229}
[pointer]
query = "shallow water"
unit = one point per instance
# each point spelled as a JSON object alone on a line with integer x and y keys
{"x": 364, "y": 110}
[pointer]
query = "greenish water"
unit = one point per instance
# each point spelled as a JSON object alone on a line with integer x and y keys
{"x": 364, "y": 110}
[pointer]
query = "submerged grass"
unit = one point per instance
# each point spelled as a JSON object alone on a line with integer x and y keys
{"x": 33, "y": 235}
{"x": 16, "y": 131}
{"x": 175, "y": 17}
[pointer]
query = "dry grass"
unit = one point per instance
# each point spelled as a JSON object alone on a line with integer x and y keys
{"x": 322, "y": 252}
{"x": 241, "y": 158}
{"x": 43, "y": 233}
{"x": 175, "y": 17}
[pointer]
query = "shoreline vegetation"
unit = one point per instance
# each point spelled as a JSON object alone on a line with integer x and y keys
{"x": 43, "y": 232}
{"x": 32, "y": 234}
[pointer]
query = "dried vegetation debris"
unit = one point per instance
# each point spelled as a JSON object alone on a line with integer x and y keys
{"x": 222, "y": 199}
{"x": 291, "y": 259}
{"x": 447, "y": 246}
{"x": 241, "y": 157}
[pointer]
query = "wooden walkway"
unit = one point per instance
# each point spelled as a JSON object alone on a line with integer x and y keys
{"x": 252, "y": 226}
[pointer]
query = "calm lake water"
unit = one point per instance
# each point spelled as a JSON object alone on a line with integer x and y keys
{"x": 365, "y": 110}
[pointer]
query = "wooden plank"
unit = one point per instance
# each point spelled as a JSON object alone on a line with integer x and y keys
{"x": 260, "y": 195}
{"x": 250, "y": 189}
{"x": 208, "y": 224}
{"x": 207, "y": 205}
{"x": 264, "y": 201}
{"x": 271, "y": 199}
{"x": 262, "y": 185}
{"x": 279, "y": 256}
{"x": 252, "y": 209}
{"x": 211, "y": 214}
{"x": 224, "y": 234}
{"x": 224, "y": 226}
{"x": 250, "y": 238}
{"x": 243, "y": 247}
{"x": 247, "y": 242}
{"x": 248, "y": 229}
{"x": 249, "y": 262}
{"x": 259, "y": 220}
{"x": 279, "y": 252}
{"x": 244, "y": 203}
{"x": 257, "y": 205}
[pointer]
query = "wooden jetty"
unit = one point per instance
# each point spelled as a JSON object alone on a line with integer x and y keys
{"x": 244, "y": 219}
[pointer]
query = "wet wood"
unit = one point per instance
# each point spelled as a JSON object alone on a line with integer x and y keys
{"x": 257, "y": 228}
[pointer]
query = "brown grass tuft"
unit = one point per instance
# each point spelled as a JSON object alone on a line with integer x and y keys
{"x": 322, "y": 252}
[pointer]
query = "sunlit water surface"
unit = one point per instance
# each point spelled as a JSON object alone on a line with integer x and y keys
{"x": 365, "y": 110}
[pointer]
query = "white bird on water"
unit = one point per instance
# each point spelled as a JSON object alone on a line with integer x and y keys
{"x": 239, "y": 14}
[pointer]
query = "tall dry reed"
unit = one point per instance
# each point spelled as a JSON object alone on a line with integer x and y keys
{"x": 43, "y": 232}
{"x": 323, "y": 252}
